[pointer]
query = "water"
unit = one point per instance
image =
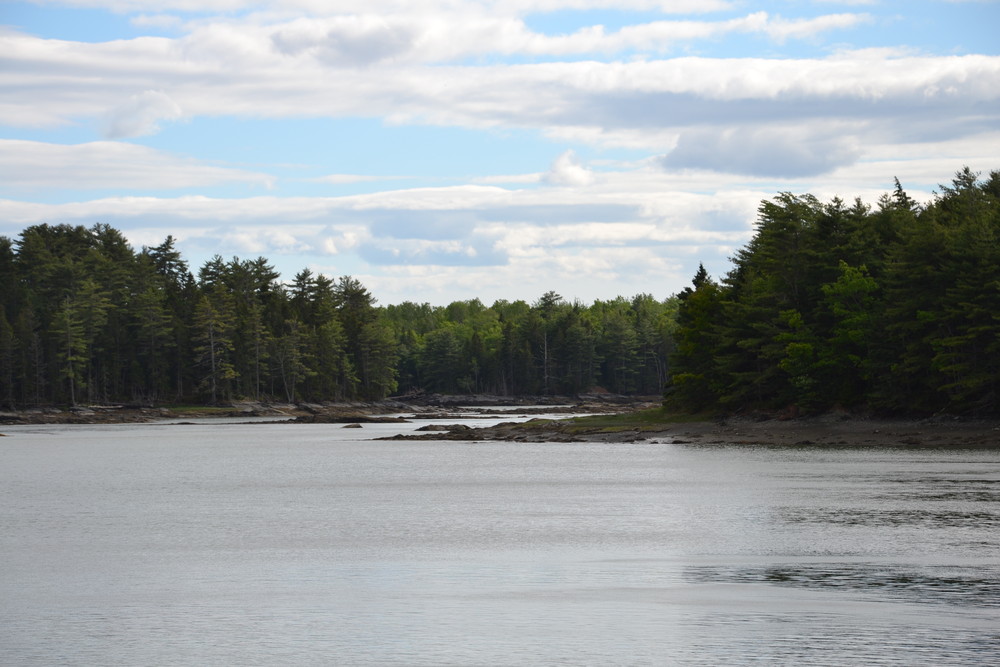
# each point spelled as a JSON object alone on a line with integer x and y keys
{"x": 268, "y": 544}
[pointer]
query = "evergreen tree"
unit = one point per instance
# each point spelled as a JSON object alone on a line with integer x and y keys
{"x": 695, "y": 383}
{"x": 292, "y": 358}
{"x": 334, "y": 376}
{"x": 213, "y": 342}
{"x": 444, "y": 364}
{"x": 371, "y": 344}
{"x": 377, "y": 360}
{"x": 854, "y": 302}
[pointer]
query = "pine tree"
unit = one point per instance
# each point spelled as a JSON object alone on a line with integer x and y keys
{"x": 695, "y": 383}
{"x": 292, "y": 358}
{"x": 214, "y": 344}
{"x": 377, "y": 360}
{"x": 854, "y": 303}
{"x": 7, "y": 360}
{"x": 68, "y": 329}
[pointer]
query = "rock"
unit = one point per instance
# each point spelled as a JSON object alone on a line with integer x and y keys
{"x": 442, "y": 427}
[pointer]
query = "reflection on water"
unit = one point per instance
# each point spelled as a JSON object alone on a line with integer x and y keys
{"x": 985, "y": 521}
{"x": 957, "y": 490}
{"x": 308, "y": 544}
{"x": 961, "y": 587}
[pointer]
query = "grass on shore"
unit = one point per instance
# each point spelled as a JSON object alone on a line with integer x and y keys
{"x": 651, "y": 419}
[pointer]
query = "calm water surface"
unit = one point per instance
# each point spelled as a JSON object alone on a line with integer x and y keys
{"x": 265, "y": 544}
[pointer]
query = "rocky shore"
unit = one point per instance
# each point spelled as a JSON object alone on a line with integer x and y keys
{"x": 424, "y": 406}
{"x": 441, "y": 412}
{"x": 826, "y": 430}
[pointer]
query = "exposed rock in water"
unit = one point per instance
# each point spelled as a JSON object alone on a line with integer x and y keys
{"x": 444, "y": 427}
{"x": 91, "y": 414}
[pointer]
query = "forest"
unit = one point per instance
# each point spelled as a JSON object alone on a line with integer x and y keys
{"x": 893, "y": 308}
{"x": 85, "y": 319}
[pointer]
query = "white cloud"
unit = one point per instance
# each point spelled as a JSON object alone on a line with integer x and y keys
{"x": 125, "y": 6}
{"x": 349, "y": 40}
{"x": 109, "y": 165}
{"x": 368, "y": 38}
{"x": 575, "y": 273}
{"x": 567, "y": 170}
{"x": 764, "y": 151}
{"x": 782, "y": 29}
{"x": 141, "y": 115}
{"x": 264, "y": 241}
{"x": 663, "y": 6}
{"x": 236, "y": 71}
{"x": 711, "y": 137}
{"x": 662, "y": 36}
{"x": 509, "y": 179}
{"x": 324, "y": 7}
{"x": 627, "y": 231}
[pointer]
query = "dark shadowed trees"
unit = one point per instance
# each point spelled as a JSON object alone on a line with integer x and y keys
{"x": 893, "y": 308}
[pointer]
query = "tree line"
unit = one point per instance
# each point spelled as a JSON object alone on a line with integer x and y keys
{"x": 894, "y": 308}
{"x": 84, "y": 318}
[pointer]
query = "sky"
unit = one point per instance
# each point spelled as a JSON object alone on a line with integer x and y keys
{"x": 443, "y": 150}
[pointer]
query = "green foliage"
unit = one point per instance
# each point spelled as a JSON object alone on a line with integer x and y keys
{"x": 214, "y": 323}
{"x": 550, "y": 347}
{"x": 292, "y": 359}
{"x": 694, "y": 384}
{"x": 854, "y": 302}
{"x": 893, "y": 308}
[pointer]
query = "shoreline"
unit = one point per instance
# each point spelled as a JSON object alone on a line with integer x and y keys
{"x": 828, "y": 430}
{"x": 822, "y": 431}
{"x": 419, "y": 407}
